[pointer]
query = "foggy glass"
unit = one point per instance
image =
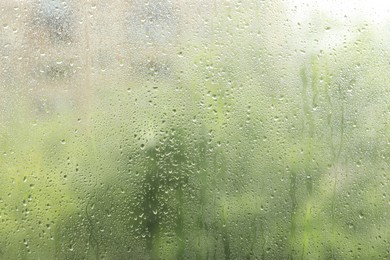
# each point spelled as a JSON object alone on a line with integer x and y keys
{"x": 172, "y": 129}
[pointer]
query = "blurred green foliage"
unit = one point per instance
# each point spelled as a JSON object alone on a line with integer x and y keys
{"x": 233, "y": 154}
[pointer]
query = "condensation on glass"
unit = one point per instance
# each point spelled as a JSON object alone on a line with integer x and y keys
{"x": 172, "y": 129}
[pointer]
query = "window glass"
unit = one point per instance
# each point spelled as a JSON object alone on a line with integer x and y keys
{"x": 197, "y": 129}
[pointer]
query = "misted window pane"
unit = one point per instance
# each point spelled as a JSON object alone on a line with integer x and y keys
{"x": 197, "y": 129}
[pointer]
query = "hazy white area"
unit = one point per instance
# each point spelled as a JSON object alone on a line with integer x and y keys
{"x": 377, "y": 11}
{"x": 328, "y": 25}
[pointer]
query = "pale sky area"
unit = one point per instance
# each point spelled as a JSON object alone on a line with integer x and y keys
{"x": 333, "y": 23}
{"x": 376, "y": 11}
